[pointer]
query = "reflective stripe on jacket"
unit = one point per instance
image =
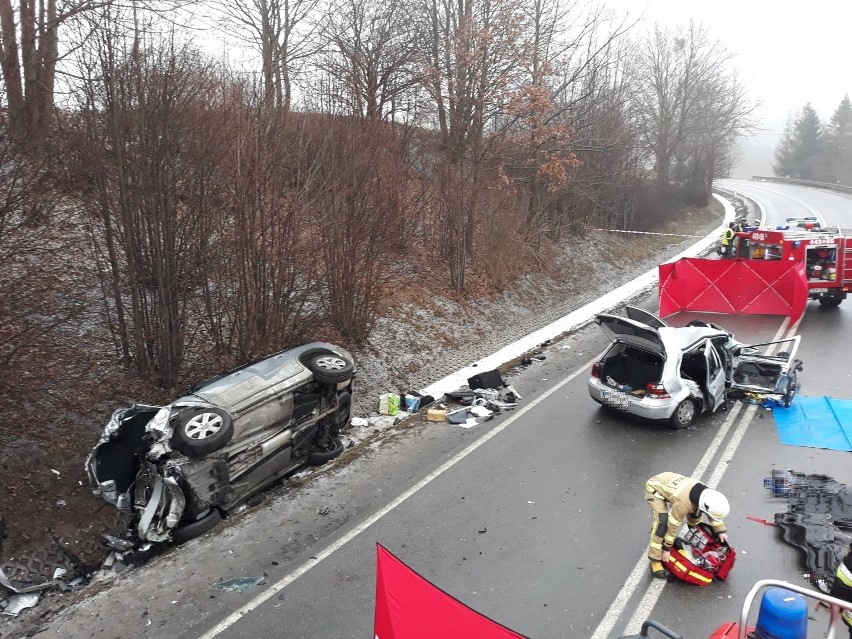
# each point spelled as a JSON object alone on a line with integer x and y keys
{"x": 842, "y": 586}
{"x": 682, "y": 493}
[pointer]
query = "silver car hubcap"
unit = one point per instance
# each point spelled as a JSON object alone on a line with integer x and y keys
{"x": 330, "y": 363}
{"x": 203, "y": 425}
{"x": 686, "y": 411}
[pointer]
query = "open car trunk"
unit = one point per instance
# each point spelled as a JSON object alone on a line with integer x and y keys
{"x": 631, "y": 369}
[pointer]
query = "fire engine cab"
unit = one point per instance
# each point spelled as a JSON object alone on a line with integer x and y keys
{"x": 825, "y": 253}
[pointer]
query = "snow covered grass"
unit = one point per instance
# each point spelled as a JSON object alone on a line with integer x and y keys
{"x": 434, "y": 335}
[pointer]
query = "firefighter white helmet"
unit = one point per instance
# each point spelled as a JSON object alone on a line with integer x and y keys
{"x": 714, "y": 504}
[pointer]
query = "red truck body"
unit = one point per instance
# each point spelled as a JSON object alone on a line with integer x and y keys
{"x": 826, "y": 255}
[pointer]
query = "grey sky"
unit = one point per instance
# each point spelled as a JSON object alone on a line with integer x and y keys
{"x": 789, "y": 53}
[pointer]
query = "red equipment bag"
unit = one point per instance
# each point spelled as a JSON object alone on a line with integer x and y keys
{"x": 699, "y": 557}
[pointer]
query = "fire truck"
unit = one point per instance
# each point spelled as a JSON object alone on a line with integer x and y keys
{"x": 826, "y": 254}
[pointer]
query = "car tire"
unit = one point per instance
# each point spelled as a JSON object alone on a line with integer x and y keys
{"x": 202, "y": 430}
{"x": 829, "y": 302}
{"x": 684, "y": 414}
{"x": 328, "y": 368}
{"x": 341, "y": 413}
{"x": 198, "y": 527}
{"x": 790, "y": 392}
{"x": 320, "y": 457}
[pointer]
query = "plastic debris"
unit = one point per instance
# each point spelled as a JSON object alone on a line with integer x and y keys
{"x": 16, "y": 603}
{"x": 458, "y": 416}
{"x": 21, "y": 587}
{"x": 241, "y": 584}
{"x": 358, "y": 421}
{"x": 480, "y": 411}
{"x": 118, "y": 543}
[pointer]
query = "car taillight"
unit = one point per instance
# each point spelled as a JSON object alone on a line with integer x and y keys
{"x": 656, "y": 390}
{"x": 596, "y": 370}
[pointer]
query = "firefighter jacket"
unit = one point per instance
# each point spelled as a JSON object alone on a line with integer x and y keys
{"x": 842, "y": 586}
{"x": 682, "y": 495}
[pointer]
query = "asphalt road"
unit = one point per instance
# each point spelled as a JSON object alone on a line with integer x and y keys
{"x": 535, "y": 519}
{"x": 779, "y": 201}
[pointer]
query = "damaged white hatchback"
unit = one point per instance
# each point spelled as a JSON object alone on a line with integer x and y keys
{"x": 179, "y": 468}
{"x": 664, "y": 373}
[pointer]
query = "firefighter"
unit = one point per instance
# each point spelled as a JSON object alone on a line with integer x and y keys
{"x": 728, "y": 240}
{"x": 842, "y": 586}
{"x": 673, "y": 499}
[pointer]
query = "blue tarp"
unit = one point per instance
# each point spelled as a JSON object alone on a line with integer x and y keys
{"x": 816, "y": 422}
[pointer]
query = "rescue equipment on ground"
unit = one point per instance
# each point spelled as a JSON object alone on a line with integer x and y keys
{"x": 699, "y": 557}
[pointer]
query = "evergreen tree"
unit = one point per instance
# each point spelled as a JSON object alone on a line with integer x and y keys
{"x": 838, "y": 144}
{"x": 799, "y": 154}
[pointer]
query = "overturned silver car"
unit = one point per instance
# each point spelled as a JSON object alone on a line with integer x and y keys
{"x": 179, "y": 468}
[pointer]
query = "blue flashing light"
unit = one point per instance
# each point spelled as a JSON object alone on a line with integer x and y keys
{"x": 783, "y": 615}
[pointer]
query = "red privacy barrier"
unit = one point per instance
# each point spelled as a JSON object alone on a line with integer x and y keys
{"x": 410, "y": 607}
{"x": 745, "y": 287}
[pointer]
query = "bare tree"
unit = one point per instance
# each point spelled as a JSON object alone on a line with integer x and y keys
{"x": 29, "y": 32}
{"x": 284, "y": 32}
{"x": 149, "y": 140}
{"x": 472, "y": 50}
{"x": 684, "y": 93}
{"x": 264, "y": 295}
{"x": 362, "y": 210}
{"x": 41, "y": 258}
{"x": 371, "y": 54}
{"x": 573, "y": 58}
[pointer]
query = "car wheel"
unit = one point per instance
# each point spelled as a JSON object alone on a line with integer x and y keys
{"x": 201, "y": 431}
{"x": 206, "y": 521}
{"x": 341, "y": 414}
{"x": 684, "y": 414}
{"x": 323, "y": 455}
{"x": 328, "y": 368}
{"x": 790, "y": 394}
{"x": 829, "y": 302}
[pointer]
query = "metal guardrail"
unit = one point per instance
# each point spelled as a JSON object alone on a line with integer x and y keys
{"x": 821, "y": 185}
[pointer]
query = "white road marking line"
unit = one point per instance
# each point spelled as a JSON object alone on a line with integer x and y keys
{"x": 640, "y": 570}
{"x": 305, "y": 567}
{"x": 646, "y": 606}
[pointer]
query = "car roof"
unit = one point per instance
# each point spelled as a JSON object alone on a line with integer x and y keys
{"x": 664, "y": 339}
{"x": 675, "y": 338}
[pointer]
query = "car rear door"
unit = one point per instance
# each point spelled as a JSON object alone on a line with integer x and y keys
{"x": 628, "y": 331}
